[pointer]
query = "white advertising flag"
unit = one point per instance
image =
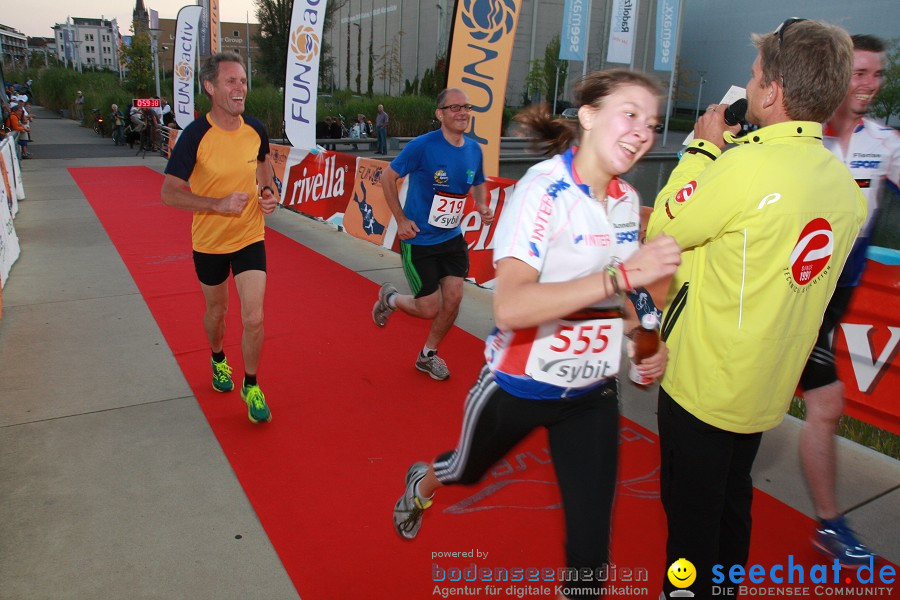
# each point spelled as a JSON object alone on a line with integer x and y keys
{"x": 621, "y": 31}
{"x": 187, "y": 38}
{"x": 301, "y": 78}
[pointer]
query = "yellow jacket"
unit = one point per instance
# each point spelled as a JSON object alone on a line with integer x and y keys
{"x": 766, "y": 228}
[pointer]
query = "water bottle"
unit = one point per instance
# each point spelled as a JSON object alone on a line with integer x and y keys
{"x": 646, "y": 343}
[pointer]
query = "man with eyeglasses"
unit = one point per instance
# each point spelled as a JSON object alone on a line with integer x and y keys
{"x": 767, "y": 226}
{"x": 441, "y": 167}
{"x": 872, "y": 153}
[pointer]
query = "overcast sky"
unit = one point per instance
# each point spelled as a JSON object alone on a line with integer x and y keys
{"x": 35, "y": 17}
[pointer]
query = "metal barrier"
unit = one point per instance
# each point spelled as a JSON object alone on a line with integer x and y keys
{"x": 164, "y": 132}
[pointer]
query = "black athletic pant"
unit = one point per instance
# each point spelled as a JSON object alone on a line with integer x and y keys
{"x": 706, "y": 492}
{"x": 584, "y": 445}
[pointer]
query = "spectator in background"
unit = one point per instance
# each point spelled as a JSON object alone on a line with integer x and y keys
{"x": 79, "y": 106}
{"x": 322, "y": 126}
{"x": 362, "y": 129}
{"x": 118, "y": 125}
{"x": 15, "y": 123}
{"x": 337, "y": 131}
{"x": 381, "y": 122}
{"x": 168, "y": 117}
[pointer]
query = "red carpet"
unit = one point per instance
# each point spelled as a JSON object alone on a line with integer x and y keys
{"x": 351, "y": 413}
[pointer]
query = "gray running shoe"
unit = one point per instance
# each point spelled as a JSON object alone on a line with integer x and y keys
{"x": 382, "y": 310}
{"x": 434, "y": 366}
{"x": 408, "y": 510}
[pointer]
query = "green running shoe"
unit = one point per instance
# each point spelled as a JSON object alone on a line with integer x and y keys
{"x": 221, "y": 376}
{"x": 257, "y": 411}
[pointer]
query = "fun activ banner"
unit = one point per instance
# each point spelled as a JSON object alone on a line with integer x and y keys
{"x": 621, "y": 31}
{"x": 301, "y": 79}
{"x": 480, "y": 53}
{"x": 187, "y": 39}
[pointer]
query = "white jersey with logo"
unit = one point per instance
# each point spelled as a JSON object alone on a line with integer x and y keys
{"x": 873, "y": 156}
{"x": 552, "y": 223}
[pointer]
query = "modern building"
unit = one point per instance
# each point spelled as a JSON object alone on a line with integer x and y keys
{"x": 13, "y": 47}
{"x": 714, "y": 44}
{"x": 44, "y": 47}
{"x": 233, "y": 38}
{"x": 88, "y": 43}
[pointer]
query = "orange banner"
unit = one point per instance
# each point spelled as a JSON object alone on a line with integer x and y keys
{"x": 214, "y": 44}
{"x": 481, "y": 50}
{"x": 367, "y": 215}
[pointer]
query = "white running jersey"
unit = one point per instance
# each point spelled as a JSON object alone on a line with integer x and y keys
{"x": 872, "y": 156}
{"x": 552, "y": 223}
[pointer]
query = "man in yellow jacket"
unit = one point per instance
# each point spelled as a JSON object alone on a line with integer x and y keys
{"x": 767, "y": 227}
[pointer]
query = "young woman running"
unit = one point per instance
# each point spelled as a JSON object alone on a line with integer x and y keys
{"x": 566, "y": 247}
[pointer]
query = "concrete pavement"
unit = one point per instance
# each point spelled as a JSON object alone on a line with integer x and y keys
{"x": 111, "y": 482}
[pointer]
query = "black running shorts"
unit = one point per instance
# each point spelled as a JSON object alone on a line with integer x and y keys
{"x": 213, "y": 269}
{"x": 425, "y": 266}
{"x": 820, "y": 370}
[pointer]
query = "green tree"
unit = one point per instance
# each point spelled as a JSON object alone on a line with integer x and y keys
{"x": 139, "y": 63}
{"x": 326, "y": 57}
{"x": 274, "y": 35}
{"x": 390, "y": 70}
{"x": 274, "y": 18}
{"x": 534, "y": 82}
{"x": 887, "y": 103}
{"x": 555, "y": 71}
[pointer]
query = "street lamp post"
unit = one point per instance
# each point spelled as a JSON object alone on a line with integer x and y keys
{"x": 440, "y": 35}
{"x": 154, "y": 49}
{"x": 699, "y": 93}
{"x": 556, "y": 88}
{"x": 78, "y": 55}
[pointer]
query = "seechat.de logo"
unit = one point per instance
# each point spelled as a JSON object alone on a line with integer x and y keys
{"x": 489, "y": 20}
{"x": 305, "y": 43}
{"x": 681, "y": 574}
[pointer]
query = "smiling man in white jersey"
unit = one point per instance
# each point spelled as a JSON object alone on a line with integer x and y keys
{"x": 872, "y": 153}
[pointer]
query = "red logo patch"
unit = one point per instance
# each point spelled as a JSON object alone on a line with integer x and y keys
{"x": 812, "y": 252}
{"x": 685, "y": 193}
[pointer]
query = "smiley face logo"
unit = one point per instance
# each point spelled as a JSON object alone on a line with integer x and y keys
{"x": 682, "y": 573}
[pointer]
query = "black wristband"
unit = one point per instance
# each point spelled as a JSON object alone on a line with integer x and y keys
{"x": 268, "y": 187}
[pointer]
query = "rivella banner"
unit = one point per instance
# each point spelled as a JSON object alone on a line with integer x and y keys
{"x": 481, "y": 49}
{"x": 576, "y": 20}
{"x": 301, "y": 78}
{"x": 867, "y": 345}
{"x": 187, "y": 38}
{"x": 621, "y": 31}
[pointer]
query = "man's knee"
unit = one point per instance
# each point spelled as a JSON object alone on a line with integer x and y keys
{"x": 429, "y": 306}
{"x": 252, "y": 319}
{"x": 825, "y": 404}
{"x": 451, "y": 292}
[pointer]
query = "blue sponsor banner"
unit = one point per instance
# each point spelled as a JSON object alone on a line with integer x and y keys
{"x": 573, "y": 39}
{"x": 666, "y": 34}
